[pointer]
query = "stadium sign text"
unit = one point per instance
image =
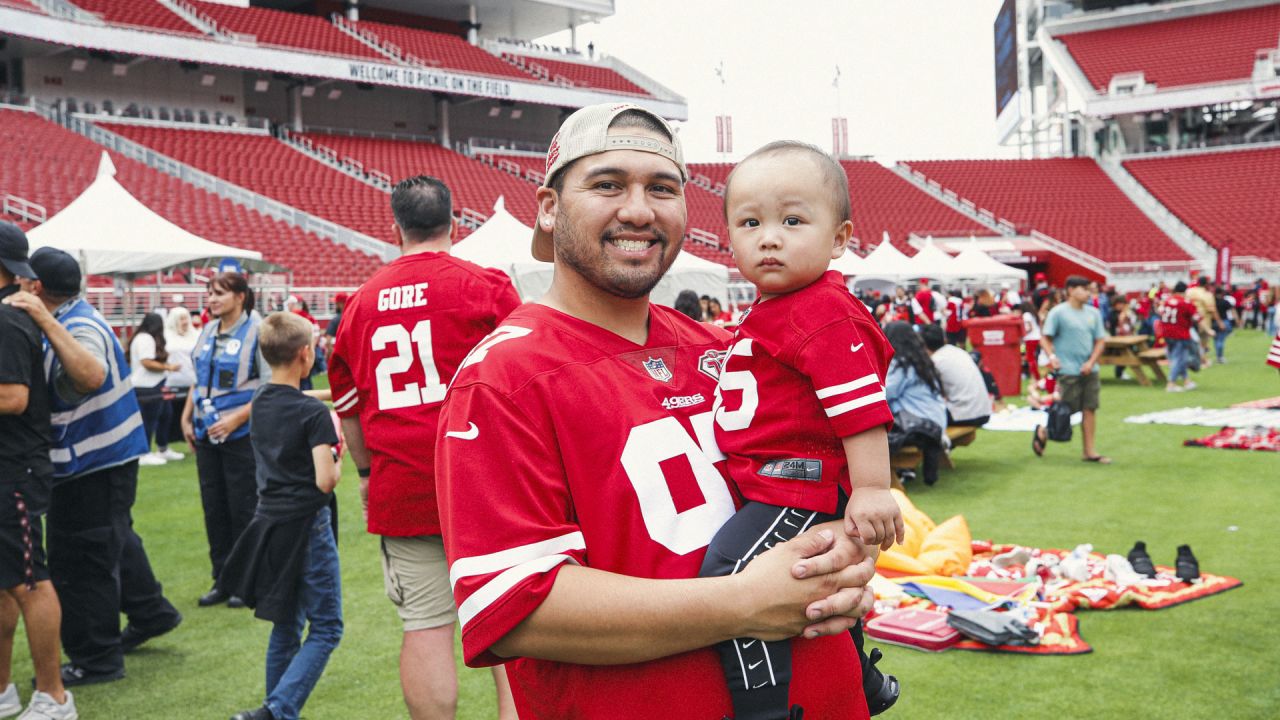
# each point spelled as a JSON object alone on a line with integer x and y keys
{"x": 421, "y": 79}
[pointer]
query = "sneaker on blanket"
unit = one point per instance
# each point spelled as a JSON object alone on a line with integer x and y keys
{"x": 1186, "y": 566}
{"x": 1119, "y": 571}
{"x": 1141, "y": 561}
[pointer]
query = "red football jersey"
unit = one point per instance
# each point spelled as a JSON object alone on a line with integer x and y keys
{"x": 402, "y": 336}
{"x": 1177, "y": 316}
{"x": 1273, "y": 356}
{"x": 563, "y": 442}
{"x": 805, "y": 370}
{"x": 955, "y": 315}
{"x": 922, "y": 306}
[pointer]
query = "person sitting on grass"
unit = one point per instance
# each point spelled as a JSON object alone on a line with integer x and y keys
{"x": 285, "y": 564}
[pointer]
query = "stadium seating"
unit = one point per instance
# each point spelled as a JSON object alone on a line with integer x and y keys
{"x": 1217, "y": 47}
{"x": 1070, "y": 199}
{"x": 22, "y": 5}
{"x": 50, "y": 165}
{"x": 443, "y": 50}
{"x": 884, "y": 202}
{"x": 474, "y": 185}
{"x": 586, "y": 75}
{"x": 292, "y": 30}
{"x": 717, "y": 173}
{"x": 1227, "y": 197}
{"x": 267, "y": 166}
{"x": 145, "y": 14}
{"x": 519, "y": 165}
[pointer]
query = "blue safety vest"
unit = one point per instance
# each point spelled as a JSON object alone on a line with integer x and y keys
{"x": 105, "y": 428}
{"x": 228, "y": 377}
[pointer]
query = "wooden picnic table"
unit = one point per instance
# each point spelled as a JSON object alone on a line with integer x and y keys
{"x": 1134, "y": 352}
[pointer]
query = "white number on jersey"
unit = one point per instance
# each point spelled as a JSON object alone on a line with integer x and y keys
{"x": 648, "y": 446}
{"x": 431, "y": 391}
{"x": 1169, "y": 314}
{"x": 743, "y": 380}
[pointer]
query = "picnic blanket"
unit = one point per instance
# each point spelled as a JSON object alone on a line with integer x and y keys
{"x": 1239, "y": 439}
{"x": 1052, "y": 606}
{"x": 1022, "y": 419}
{"x": 1211, "y": 417}
{"x": 1265, "y": 403}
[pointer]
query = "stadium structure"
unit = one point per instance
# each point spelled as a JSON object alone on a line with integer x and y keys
{"x": 1148, "y": 132}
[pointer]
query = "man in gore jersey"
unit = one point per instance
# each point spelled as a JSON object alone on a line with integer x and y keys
{"x": 580, "y": 482}
{"x": 1178, "y": 316}
{"x": 402, "y": 337}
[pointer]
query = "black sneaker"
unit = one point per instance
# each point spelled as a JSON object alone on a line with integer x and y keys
{"x": 213, "y": 597}
{"x": 73, "y": 675}
{"x": 132, "y": 636}
{"x": 235, "y": 602}
{"x": 1141, "y": 561}
{"x": 1186, "y": 566}
{"x": 261, "y": 713}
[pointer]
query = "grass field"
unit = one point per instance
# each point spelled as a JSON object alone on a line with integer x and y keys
{"x": 1215, "y": 658}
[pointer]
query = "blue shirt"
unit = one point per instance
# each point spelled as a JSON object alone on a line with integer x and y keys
{"x": 904, "y": 390}
{"x": 1073, "y": 333}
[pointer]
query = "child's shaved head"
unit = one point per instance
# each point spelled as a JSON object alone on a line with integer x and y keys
{"x": 833, "y": 176}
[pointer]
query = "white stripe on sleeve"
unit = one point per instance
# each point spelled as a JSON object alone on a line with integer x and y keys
{"x": 855, "y": 404}
{"x": 503, "y": 559}
{"x": 350, "y": 394}
{"x": 848, "y": 387}
{"x": 497, "y": 587}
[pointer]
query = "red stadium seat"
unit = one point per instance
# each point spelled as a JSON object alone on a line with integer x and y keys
{"x": 1216, "y": 47}
{"x": 286, "y": 29}
{"x": 50, "y": 165}
{"x": 582, "y": 74}
{"x": 1069, "y": 199}
{"x": 443, "y": 50}
{"x": 1226, "y": 197}
{"x": 145, "y": 14}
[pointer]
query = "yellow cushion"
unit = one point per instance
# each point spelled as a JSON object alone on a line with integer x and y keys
{"x": 948, "y": 549}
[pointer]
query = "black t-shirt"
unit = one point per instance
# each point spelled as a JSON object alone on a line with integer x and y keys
{"x": 24, "y": 439}
{"x": 284, "y": 426}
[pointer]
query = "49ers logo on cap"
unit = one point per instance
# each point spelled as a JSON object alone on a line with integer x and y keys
{"x": 553, "y": 152}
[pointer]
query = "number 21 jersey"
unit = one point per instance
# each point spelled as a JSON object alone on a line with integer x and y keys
{"x": 403, "y": 335}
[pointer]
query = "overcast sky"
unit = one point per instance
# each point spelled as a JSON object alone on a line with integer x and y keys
{"x": 916, "y": 83}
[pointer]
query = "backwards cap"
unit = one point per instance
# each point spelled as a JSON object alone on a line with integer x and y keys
{"x": 586, "y": 132}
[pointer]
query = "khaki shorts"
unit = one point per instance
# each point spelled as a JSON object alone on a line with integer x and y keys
{"x": 1080, "y": 392}
{"x": 416, "y": 575}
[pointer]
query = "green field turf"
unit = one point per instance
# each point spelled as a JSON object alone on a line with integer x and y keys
{"x": 1214, "y": 658}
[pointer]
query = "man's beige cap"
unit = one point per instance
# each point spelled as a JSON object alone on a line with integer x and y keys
{"x": 586, "y": 132}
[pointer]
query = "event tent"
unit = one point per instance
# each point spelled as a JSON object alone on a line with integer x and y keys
{"x": 504, "y": 242}
{"x": 977, "y": 266}
{"x": 933, "y": 263}
{"x": 885, "y": 263}
{"x": 848, "y": 264}
{"x": 112, "y": 233}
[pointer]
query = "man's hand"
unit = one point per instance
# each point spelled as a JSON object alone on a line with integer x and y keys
{"x": 364, "y": 498}
{"x": 189, "y": 432}
{"x": 33, "y": 306}
{"x": 874, "y": 516}
{"x": 796, "y": 586}
{"x": 1087, "y": 367}
{"x": 1054, "y": 362}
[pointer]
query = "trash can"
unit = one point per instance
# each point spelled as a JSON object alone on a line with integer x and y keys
{"x": 999, "y": 340}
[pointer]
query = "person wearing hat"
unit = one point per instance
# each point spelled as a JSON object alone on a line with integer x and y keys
{"x": 579, "y": 481}
{"x": 25, "y": 473}
{"x": 97, "y": 560}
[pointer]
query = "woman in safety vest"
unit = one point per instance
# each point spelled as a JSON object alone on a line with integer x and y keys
{"x": 215, "y": 419}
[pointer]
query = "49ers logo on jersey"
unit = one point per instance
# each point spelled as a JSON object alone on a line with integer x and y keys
{"x": 711, "y": 362}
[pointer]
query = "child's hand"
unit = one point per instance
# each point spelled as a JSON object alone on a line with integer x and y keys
{"x": 874, "y": 515}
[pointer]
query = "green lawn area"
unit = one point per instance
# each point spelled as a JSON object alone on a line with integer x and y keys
{"x": 1208, "y": 659}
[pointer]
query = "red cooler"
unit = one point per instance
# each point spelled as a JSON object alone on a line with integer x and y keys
{"x": 999, "y": 340}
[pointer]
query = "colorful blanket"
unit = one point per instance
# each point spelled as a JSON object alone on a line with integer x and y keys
{"x": 1263, "y": 404}
{"x": 1239, "y": 439}
{"x": 1053, "y": 606}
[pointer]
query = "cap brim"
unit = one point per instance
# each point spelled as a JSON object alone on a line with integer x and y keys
{"x": 543, "y": 248}
{"x": 19, "y": 268}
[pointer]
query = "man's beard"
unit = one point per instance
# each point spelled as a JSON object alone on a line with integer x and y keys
{"x": 589, "y": 260}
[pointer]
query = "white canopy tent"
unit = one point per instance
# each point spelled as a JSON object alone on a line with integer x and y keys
{"x": 112, "y": 233}
{"x": 976, "y": 266}
{"x": 504, "y": 242}
{"x": 933, "y": 263}
{"x": 885, "y": 264}
{"x": 849, "y": 264}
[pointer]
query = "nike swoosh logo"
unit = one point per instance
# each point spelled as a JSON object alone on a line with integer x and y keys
{"x": 856, "y": 348}
{"x": 471, "y": 433}
{"x": 754, "y": 665}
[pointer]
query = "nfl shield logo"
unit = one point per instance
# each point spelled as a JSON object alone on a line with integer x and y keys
{"x": 657, "y": 369}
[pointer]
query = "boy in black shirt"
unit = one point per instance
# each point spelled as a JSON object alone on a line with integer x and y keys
{"x": 285, "y": 564}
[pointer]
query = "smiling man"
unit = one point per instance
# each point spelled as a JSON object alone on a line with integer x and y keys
{"x": 579, "y": 479}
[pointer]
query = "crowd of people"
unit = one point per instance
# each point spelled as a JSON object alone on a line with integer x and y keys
{"x": 681, "y": 505}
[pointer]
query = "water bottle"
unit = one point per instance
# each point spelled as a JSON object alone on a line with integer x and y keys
{"x": 211, "y": 416}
